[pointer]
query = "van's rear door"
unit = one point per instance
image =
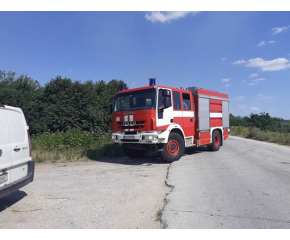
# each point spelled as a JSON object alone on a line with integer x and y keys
{"x": 5, "y": 149}
{"x": 19, "y": 142}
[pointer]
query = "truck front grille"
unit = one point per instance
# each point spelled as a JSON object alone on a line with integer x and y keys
{"x": 131, "y": 133}
{"x": 129, "y": 140}
{"x": 138, "y": 125}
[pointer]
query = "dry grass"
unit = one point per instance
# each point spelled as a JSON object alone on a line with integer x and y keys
{"x": 58, "y": 155}
{"x": 72, "y": 146}
{"x": 257, "y": 134}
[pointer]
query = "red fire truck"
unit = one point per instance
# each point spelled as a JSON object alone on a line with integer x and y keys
{"x": 168, "y": 120}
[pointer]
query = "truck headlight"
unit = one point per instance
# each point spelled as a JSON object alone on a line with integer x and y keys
{"x": 114, "y": 137}
{"x": 150, "y": 137}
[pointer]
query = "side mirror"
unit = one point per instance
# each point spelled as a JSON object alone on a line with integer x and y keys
{"x": 167, "y": 102}
{"x": 165, "y": 93}
{"x": 166, "y": 98}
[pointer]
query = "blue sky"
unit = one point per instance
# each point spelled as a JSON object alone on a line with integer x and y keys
{"x": 245, "y": 54}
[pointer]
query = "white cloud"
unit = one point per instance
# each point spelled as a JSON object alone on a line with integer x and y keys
{"x": 226, "y": 79}
{"x": 255, "y": 109}
{"x": 252, "y": 83}
{"x": 166, "y": 16}
{"x": 228, "y": 85}
{"x": 262, "y": 43}
{"x": 224, "y": 58}
{"x": 269, "y": 65}
{"x": 242, "y": 106}
{"x": 279, "y": 30}
{"x": 239, "y": 62}
{"x": 266, "y": 65}
{"x": 239, "y": 98}
{"x": 254, "y": 75}
{"x": 264, "y": 96}
{"x": 256, "y": 81}
{"x": 259, "y": 80}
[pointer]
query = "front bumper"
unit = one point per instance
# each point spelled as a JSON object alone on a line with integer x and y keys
{"x": 12, "y": 187}
{"x": 139, "y": 137}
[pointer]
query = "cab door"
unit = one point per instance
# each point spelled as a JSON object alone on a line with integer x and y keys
{"x": 19, "y": 142}
{"x": 164, "y": 111}
{"x": 188, "y": 121}
{"x": 5, "y": 149}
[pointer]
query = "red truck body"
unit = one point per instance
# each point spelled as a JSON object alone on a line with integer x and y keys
{"x": 168, "y": 120}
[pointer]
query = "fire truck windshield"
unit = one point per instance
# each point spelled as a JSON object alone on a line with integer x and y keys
{"x": 138, "y": 100}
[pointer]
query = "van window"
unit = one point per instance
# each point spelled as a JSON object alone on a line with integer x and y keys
{"x": 4, "y": 134}
{"x": 16, "y": 126}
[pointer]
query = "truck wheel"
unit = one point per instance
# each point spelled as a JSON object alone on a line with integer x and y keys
{"x": 216, "y": 141}
{"x": 174, "y": 148}
{"x": 132, "y": 153}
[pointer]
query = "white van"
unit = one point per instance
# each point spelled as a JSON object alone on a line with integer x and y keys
{"x": 16, "y": 165}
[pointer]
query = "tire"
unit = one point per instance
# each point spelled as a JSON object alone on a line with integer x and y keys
{"x": 216, "y": 141}
{"x": 174, "y": 148}
{"x": 132, "y": 153}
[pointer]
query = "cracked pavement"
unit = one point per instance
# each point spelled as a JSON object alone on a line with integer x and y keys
{"x": 243, "y": 185}
{"x": 117, "y": 193}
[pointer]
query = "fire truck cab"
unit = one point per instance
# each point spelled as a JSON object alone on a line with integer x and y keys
{"x": 168, "y": 120}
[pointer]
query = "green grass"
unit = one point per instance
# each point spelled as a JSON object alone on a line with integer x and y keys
{"x": 158, "y": 215}
{"x": 74, "y": 145}
{"x": 257, "y": 134}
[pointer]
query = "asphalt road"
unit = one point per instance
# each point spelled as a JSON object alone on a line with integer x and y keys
{"x": 246, "y": 184}
{"x": 118, "y": 193}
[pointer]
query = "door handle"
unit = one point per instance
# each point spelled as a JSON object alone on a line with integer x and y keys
{"x": 191, "y": 120}
{"x": 16, "y": 149}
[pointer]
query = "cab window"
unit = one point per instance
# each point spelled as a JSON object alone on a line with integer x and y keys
{"x": 186, "y": 101}
{"x": 176, "y": 101}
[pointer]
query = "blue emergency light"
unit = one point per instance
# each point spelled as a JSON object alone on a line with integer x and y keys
{"x": 152, "y": 81}
{"x": 122, "y": 87}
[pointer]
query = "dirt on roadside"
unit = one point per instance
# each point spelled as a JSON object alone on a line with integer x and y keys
{"x": 119, "y": 193}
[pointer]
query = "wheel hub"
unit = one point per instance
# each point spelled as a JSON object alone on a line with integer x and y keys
{"x": 173, "y": 147}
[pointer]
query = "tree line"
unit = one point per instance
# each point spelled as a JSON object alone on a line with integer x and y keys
{"x": 263, "y": 121}
{"x": 61, "y": 104}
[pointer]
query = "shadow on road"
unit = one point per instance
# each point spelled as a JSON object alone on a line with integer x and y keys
{"x": 11, "y": 199}
{"x": 193, "y": 150}
{"x": 149, "y": 158}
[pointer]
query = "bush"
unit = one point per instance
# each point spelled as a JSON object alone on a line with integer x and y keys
{"x": 72, "y": 138}
{"x": 257, "y": 134}
{"x": 71, "y": 146}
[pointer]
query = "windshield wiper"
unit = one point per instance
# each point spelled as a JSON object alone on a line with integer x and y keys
{"x": 142, "y": 108}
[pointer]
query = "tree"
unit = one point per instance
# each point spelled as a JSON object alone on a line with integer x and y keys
{"x": 62, "y": 104}
{"x": 25, "y": 93}
{"x": 79, "y": 105}
{"x": 60, "y": 97}
{"x": 238, "y": 121}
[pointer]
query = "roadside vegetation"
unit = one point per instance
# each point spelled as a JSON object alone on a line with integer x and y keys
{"x": 73, "y": 145}
{"x": 70, "y": 120}
{"x": 261, "y": 127}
